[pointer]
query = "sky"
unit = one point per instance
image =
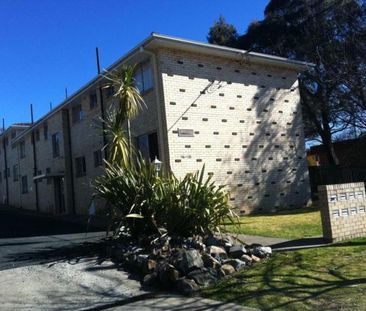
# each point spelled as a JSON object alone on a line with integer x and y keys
{"x": 49, "y": 45}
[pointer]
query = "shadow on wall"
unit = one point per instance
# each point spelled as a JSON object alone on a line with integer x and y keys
{"x": 270, "y": 171}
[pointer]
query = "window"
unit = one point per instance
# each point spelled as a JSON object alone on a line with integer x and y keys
{"x": 148, "y": 146}
{"x": 143, "y": 78}
{"x": 80, "y": 166}
{"x": 22, "y": 149}
{"x": 13, "y": 134}
{"x": 37, "y": 135}
{"x": 93, "y": 100}
{"x": 109, "y": 91}
{"x": 45, "y": 131}
{"x": 77, "y": 113}
{"x": 15, "y": 172}
{"x": 98, "y": 158}
{"x": 49, "y": 179}
{"x": 56, "y": 145}
{"x": 24, "y": 184}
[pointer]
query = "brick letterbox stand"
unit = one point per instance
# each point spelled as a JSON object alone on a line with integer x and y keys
{"x": 343, "y": 211}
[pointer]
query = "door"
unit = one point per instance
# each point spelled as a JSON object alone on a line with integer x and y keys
{"x": 60, "y": 195}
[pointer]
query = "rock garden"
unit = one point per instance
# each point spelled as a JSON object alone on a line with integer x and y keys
{"x": 185, "y": 265}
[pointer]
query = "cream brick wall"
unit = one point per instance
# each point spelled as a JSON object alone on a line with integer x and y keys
{"x": 45, "y": 159}
{"x": 343, "y": 211}
{"x": 247, "y": 128}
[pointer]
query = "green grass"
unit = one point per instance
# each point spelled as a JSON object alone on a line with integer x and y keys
{"x": 292, "y": 224}
{"x": 327, "y": 278}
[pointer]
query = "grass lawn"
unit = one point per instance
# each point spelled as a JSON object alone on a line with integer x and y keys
{"x": 292, "y": 224}
{"x": 327, "y": 278}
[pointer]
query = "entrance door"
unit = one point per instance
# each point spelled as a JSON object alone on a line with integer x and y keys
{"x": 60, "y": 195}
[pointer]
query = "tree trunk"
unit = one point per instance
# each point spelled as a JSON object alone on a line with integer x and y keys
{"x": 129, "y": 141}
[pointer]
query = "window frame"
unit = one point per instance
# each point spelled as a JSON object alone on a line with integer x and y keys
{"x": 80, "y": 166}
{"x": 56, "y": 144}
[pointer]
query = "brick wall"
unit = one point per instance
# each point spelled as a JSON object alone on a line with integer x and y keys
{"x": 246, "y": 128}
{"x": 343, "y": 211}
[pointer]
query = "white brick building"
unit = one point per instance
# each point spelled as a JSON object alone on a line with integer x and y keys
{"x": 236, "y": 112}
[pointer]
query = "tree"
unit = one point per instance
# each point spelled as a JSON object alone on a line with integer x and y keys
{"x": 326, "y": 33}
{"x": 222, "y": 33}
{"x": 128, "y": 103}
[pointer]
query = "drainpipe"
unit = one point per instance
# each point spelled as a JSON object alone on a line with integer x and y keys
{"x": 162, "y": 124}
{"x": 102, "y": 109}
{"x": 69, "y": 168}
{"x": 6, "y": 166}
{"x": 35, "y": 169}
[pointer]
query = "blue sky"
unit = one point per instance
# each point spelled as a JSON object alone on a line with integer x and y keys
{"x": 47, "y": 45}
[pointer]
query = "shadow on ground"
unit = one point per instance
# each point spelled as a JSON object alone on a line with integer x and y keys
{"x": 327, "y": 278}
{"x": 15, "y": 223}
{"x": 74, "y": 253}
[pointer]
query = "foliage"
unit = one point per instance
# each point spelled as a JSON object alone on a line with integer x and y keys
{"x": 222, "y": 33}
{"x": 195, "y": 205}
{"x": 117, "y": 146}
{"x": 145, "y": 203}
{"x": 134, "y": 193}
{"x": 128, "y": 103}
{"x": 324, "y": 278}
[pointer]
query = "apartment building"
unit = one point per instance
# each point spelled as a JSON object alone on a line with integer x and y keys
{"x": 236, "y": 112}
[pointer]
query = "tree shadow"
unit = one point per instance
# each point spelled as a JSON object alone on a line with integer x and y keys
{"x": 73, "y": 254}
{"x": 275, "y": 288}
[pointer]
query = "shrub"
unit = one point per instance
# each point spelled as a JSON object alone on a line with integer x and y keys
{"x": 195, "y": 205}
{"x": 144, "y": 202}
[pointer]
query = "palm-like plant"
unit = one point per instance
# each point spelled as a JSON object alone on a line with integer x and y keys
{"x": 129, "y": 103}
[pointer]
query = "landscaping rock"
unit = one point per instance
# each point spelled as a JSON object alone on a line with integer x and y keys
{"x": 150, "y": 280}
{"x": 255, "y": 258}
{"x": 262, "y": 251}
{"x": 247, "y": 259}
{"x": 187, "y": 286}
{"x": 227, "y": 269}
{"x": 217, "y": 252}
{"x": 191, "y": 259}
{"x": 237, "y": 264}
{"x": 203, "y": 277}
{"x": 167, "y": 273}
{"x": 209, "y": 261}
{"x": 237, "y": 251}
{"x": 212, "y": 241}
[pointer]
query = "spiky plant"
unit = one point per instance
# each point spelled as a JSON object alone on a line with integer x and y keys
{"x": 128, "y": 103}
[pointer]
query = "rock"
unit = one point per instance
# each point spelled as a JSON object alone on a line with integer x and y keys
{"x": 187, "y": 286}
{"x": 255, "y": 258}
{"x": 167, "y": 273}
{"x": 151, "y": 264}
{"x": 209, "y": 261}
{"x": 237, "y": 264}
{"x": 203, "y": 277}
{"x": 191, "y": 259}
{"x": 150, "y": 280}
{"x": 226, "y": 241}
{"x": 247, "y": 259}
{"x": 237, "y": 251}
{"x": 212, "y": 241}
{"x": 262, "y": 251}
{"x": 227, "y": 269}
{"x": 217, "y": 252}
{"x": 142, "y": 258}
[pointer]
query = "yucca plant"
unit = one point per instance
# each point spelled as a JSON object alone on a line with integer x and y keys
{"x": 128, "y": 102}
